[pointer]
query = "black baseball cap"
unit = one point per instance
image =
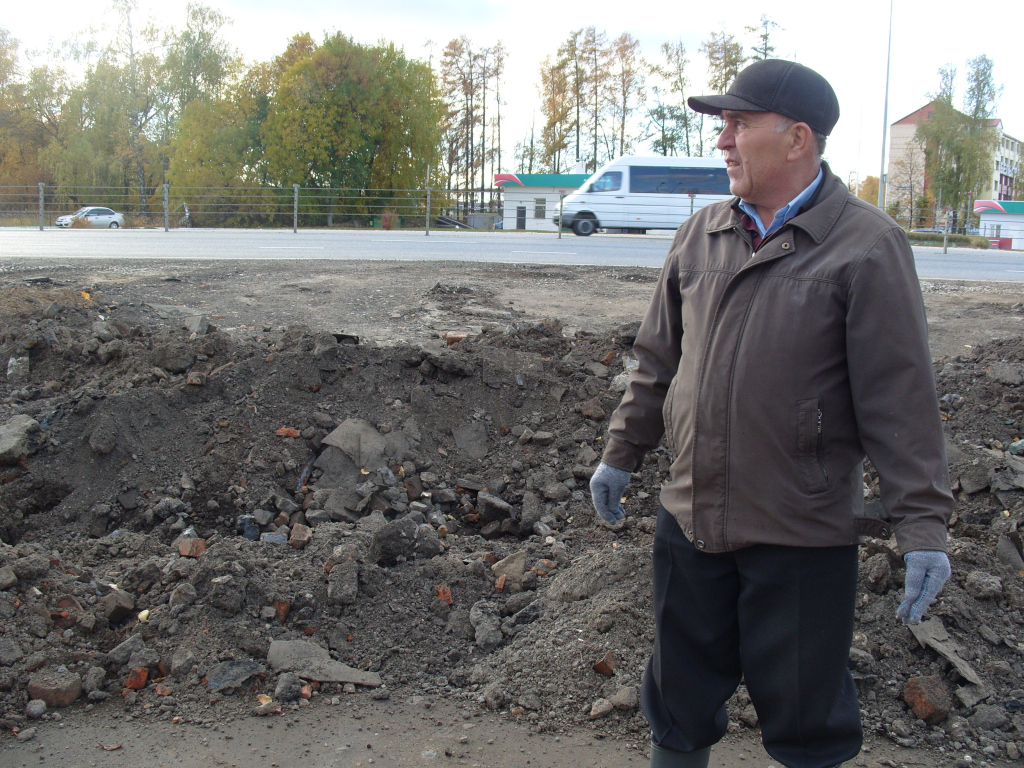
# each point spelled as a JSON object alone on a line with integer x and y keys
{"x": 775, "y": 85}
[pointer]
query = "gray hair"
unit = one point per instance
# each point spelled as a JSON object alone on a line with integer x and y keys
{"x": 783, "y": 124}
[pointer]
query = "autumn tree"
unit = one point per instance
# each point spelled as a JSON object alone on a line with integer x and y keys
{"x": 20, "y": 137}
{"x": 867, "y": 190}
{"x": 557, "y": 104}
{"x": 725, "y": 59}
{"x": 199, "y": 62}
{"x": 907, "y": 184}
{"x": 627, "y": 87}
{"x": 349, "y": 115}
{"x": 959, "y": 144}
{"x": 763, "y": 31}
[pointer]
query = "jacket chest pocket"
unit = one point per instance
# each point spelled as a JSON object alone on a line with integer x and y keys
{"x": 809, "y": 445}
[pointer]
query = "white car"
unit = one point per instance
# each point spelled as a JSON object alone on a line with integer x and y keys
{"x": 94, "y": 216}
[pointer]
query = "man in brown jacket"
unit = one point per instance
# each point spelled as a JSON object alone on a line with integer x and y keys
{"x": 786, "y": 340}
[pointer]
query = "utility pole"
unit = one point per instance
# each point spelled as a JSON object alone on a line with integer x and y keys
{"x": 885, "y": 115}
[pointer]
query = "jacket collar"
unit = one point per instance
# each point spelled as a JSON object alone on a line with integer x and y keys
{"x": 817, "y": 218}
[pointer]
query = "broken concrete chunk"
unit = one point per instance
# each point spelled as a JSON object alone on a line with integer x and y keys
{"x": 198, "y": 324}
{"x": 232, "y": 675}
{"x": 360, "y": 441}
{"x": 57, "y": 689}
{"x": 15, "y": 440}
{"x": 311, "y": 662}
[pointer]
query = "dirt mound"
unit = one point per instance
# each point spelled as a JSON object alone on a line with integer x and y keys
{"x": 192, "y": 517}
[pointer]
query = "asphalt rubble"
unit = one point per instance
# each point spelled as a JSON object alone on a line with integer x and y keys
{"x": 200, "y": 525}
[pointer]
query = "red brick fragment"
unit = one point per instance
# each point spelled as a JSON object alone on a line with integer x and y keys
{"x": 928, "y": 698}
{"x": 137, "y": 679}
{"x": 191, "y": 547}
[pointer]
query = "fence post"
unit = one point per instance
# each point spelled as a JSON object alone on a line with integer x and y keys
{"x": 42, "y": 207}
{"x": 295, "y": 209}
{"x": 561, "y": 197}
{"x": 167, "y": 213}
{"x": 427, "y": 233}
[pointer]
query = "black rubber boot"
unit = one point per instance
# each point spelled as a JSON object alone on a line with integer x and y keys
{"x": 668, "y": 758}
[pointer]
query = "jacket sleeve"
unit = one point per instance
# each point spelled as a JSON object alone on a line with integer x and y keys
{"x": 637, "y": 424}
{"x": 893, "y": 387}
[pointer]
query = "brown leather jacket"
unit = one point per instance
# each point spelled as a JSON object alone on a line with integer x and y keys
{"x": 771, "y": 373}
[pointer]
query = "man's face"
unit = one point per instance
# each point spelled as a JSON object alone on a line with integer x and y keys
{"x": 755, "y": 155}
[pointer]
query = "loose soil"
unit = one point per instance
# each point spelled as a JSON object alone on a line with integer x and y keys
{"x": 451, "y": 550}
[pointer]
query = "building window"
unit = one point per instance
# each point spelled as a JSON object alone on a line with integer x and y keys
{"x": 540, "y": 207}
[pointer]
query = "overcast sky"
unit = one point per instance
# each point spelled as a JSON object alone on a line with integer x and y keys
{"x": 845, "y": 42}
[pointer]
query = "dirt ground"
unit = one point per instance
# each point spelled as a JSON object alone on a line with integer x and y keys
{"x": 147, "y": 433}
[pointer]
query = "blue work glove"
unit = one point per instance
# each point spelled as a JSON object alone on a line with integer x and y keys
{"x": 927, "y": 571}
{"x": 606, "y": 487}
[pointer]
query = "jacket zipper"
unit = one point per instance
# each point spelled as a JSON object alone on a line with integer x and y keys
{"x": 817, "y": 452}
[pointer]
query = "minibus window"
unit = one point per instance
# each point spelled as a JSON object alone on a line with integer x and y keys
{"x": 609, "y": 182}
{"x": 678, "y": 181}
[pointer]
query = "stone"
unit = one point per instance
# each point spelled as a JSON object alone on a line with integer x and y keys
{"x": 289, "y": 687}
{"x": 360, "y": 441}
{"x": 974, "y": 479}
{"x": 232, "y": 675}
{"x": 110, "y": 351}
{"x": 174, "y": 358}
{"x": 625, "y": 699}
{"x": 120, "y": 654}
{"x": 343, "y": 583}
{"x": 601, "y": 708}
{"x": 10, "y": 652}
{"x": 491, "y": 507}
{"x": 495, "y": 697}
{"x": 315, "y": 517}
{"x": 248, "y": 527}
{"x": 117, "y": 606}
{"x": 191, "y": 547}
{"x": 1004, "y": 373}
{"x": 181, "y": 597}
{"x": 530, "y": 701}
{"x": 311, "y": 662}
{"x": 274, "y": 538}
{"x": 988, "y": 717}
{"x": 1006, "y": 551}
{"x": 542, "y": 438}
{"x": 8, "y": 578}
{"x": 512, "y": 568}
{"x": 486, "y": 620}
{"x": 556, "y": 491}
{"x": 35, "y": 709}
{"x": 300, "y": 536}
{"x": 18, "y": 369}
{"x": 876, "y": 573}
{"x": 983, "y": 586}
{"x": 15, "y": 440}
{"x": 103, "y": 438}
{"x": 928, "y": 698}
{"x": 592, "y": 409}
{"x": 471, "y": 440}
{"x": 407, "y": 539}
{"x": 31, "y": 567}
{"x": 227, "y": 593}
{"x": 594, "y": 368}
{"x": 57, "y": 689}
{"x": 27, "y": 734}
{"x": 182, "y": 661}
{"x": 748, "y": 716}
{"x": 533, "y": 511}
{"x": 94, "y": 680}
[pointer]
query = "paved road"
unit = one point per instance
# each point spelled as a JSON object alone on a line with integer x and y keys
{"x": 506, "y": 247}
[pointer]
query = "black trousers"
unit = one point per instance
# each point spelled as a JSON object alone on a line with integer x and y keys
{"x": 780, "y": 618}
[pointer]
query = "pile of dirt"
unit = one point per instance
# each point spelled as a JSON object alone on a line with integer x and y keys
{"x": 192, "y": 518}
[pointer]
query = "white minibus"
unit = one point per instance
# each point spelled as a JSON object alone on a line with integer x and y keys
{"x": 635, "y": 194}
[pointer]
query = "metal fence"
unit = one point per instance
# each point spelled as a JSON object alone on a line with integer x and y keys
{"x": 295, "y": 206}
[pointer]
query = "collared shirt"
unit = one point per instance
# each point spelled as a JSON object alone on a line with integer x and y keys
{"x": 785, "y": 213}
